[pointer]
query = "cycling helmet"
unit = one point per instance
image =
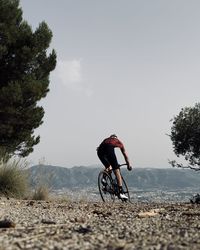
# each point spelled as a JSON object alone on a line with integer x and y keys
{"x": 113, "y": 136}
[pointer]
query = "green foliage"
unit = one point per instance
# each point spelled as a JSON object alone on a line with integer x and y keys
{"x": 24, "y": 78}
{"x": 13, "y": 178}
{"x": 185, "y": 136}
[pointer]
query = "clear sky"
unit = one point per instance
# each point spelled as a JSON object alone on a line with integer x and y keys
{"x": 124, "y": 67}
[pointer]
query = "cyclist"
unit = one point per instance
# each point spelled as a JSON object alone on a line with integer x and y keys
{"x": 107, "y": 156}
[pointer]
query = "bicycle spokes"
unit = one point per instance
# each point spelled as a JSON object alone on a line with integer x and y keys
{"x": 108, "y": 187}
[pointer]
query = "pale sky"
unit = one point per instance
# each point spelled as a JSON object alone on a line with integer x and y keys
{"x": 123, "y": 66}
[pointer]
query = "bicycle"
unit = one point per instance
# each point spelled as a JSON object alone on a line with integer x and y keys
{"x": 109, "y": 190}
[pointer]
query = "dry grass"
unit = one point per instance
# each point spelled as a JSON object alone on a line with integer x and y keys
{"x": 41, "y": 193}
{"x": 13, "y": 178}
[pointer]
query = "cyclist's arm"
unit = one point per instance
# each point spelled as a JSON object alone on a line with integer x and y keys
{"x": 125, "y": 157}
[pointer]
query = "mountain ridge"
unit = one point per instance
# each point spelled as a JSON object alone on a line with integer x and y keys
{"x": 58, "y": 177}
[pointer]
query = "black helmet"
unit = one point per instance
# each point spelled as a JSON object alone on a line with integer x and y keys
{"x": 113, "y": 136}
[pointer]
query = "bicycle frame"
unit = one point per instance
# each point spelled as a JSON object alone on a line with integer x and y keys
{"x": 112, "y": 187}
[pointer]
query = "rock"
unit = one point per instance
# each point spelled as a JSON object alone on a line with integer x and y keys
{"x": 7, "y": 224}
{"x": 30, "y": 203}
{"x": 44, "y": 221}
{"x": 84, "y": 230}
{"x": 150, "y": 213}
{"x": 80, "y": 219}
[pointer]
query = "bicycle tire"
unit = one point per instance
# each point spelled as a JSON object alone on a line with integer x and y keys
{"x": 106, "y": 191}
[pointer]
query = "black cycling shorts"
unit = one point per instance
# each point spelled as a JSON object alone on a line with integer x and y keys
{"x": 106, "y": 154}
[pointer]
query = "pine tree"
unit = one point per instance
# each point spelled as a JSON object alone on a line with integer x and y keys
{"x": 24, "y": 78}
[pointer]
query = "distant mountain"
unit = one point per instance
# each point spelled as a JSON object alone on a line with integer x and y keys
{"x": 140, "y": 178}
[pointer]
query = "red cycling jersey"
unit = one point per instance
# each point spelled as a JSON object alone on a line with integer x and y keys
{"x": 113, "y": 142}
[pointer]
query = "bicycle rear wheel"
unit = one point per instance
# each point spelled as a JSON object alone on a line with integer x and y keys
{"x": 125, "y": 189}
{"x": 106, "y": 190}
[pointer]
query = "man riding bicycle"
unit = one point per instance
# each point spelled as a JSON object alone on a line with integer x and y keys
{"x": 106, "y": 154}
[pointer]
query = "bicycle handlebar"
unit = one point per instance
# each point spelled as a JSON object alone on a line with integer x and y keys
{"x": 124, "y": 164}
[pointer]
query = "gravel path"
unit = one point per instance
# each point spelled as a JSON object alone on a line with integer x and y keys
{"x": 95, "y": 225}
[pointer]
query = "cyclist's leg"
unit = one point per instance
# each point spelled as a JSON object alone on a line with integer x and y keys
{"x": 116, "y": 169}
{"x": 118, "y": 176}
{"x": 121, "y": 193}
{"x": 103, "y": 158}
{"x": 115, "y": 166}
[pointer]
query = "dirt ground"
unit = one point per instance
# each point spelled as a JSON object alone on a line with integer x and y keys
{"x": 96, "y": 225}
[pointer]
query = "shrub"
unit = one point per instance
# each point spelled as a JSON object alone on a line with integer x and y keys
{"x": 13, "y": 178}
{"x": 41, "y": 193}
{"x": 185, "y": 136}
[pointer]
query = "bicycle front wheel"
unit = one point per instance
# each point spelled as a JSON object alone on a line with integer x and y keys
{"x": 125, "y": 189}
{"x": 105, "y": 185}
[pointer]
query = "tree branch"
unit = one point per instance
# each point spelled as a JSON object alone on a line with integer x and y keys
{"x": 179, "y": 165}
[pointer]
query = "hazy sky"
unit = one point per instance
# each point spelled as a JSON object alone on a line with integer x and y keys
{"x": 124, "y": 67}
